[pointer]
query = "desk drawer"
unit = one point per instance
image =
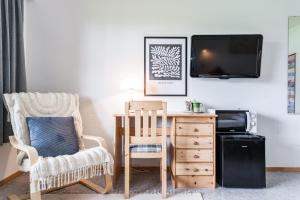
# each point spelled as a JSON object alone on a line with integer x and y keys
{"x": 194, "y": 142}
{"x": 194, "y": 169}
{"x": 195, "y": 181}
{"x": 194, "y": 129}
{"x": 194, "y": 155}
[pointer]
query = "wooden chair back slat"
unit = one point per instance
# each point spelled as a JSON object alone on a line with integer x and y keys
{"x": 127, "y": 129}
{"x": 145, "y": 123}
{"x": 153, "y": 123}
{"x": 164, "y": 119}
{"x": 137, "y": 120}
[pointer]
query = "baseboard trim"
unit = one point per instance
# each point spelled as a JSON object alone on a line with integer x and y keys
{"x": 283, "y": 169}
{"x": 10, "y": 178}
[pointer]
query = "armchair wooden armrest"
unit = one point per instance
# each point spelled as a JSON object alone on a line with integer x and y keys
{"x": 101, "y": 142}
{"x": 30, "y": 151}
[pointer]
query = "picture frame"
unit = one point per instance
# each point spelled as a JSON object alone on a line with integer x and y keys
{"x": 165, "y": 66}
{"x": 291, "y": 82}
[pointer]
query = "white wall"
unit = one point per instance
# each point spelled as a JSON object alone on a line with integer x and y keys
{"x": 90, "y": 46}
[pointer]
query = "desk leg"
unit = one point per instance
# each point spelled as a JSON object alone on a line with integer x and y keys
{"x": 117, "y": 149}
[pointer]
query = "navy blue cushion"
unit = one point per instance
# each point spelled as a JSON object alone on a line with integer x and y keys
{"x": 53, "y": 136}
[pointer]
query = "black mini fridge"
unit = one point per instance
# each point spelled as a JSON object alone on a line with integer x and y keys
{"x": 241, "y": 160}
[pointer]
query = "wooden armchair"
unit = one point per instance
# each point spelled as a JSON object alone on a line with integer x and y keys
{"x": 146, "y": 143}
{"x": 22, "y": 105}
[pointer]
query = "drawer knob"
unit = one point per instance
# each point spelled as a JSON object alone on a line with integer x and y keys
{"x": 196, "y": 156}
{"x": 196, "y": 170}
{"x": 206, "y": 170}
{"x": 187, "y": 169}
{"x": 179, "y": 127}
{"x": 196, "y": 143}
{"x": 196, "y": 130}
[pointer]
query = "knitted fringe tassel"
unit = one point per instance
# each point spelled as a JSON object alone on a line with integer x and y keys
{"x": 74, "y": 176}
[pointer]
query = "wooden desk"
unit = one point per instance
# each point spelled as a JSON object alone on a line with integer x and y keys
{"x": 192, "y": 148}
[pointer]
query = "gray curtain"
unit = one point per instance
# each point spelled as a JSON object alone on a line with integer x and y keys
{"x": 12, "y": 58}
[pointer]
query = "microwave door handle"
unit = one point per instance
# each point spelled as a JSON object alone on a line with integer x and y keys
{"x": 248, "y": 121}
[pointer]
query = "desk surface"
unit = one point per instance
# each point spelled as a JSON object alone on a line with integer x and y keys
{"x": 177, "y": 114}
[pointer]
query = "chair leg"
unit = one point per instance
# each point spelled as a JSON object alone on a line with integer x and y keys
{"x": 33, "y": 194}
{"x": 13, "y": 197}
{"x": 20, "y": 197}
{"x": 160, "y": 167}
{"x": 127, "y": 176}
{"x": 98, "y": 188}
{"x": 164, "y": 178}
{"x": 173, "y": 181}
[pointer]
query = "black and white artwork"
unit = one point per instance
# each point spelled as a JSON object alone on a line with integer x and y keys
{"x": 165, "y": 66}
{"x": 165, "y": 62}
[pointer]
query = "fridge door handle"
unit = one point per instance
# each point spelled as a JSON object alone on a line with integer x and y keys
{"x": 248, "y": 121}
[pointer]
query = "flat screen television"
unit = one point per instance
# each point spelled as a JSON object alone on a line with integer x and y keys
{"x": 226, "y": 56}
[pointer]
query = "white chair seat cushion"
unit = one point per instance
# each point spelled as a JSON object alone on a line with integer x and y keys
{"x": 51, "y": 172}
{"x": 145, "y": 148}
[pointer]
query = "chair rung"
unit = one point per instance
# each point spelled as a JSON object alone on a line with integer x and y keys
{"x": 146, "y": 140}
{"x": 146, "y": 155}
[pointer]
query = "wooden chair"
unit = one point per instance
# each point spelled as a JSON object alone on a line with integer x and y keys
{"x": 23, "y": 105}
{"x": 146, "y": 143}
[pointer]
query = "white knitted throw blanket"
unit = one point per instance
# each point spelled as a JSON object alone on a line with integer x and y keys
{"x": 55, "y": 172}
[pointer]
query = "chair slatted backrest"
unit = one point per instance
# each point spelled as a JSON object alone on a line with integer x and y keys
{"x": 145, "y": 117}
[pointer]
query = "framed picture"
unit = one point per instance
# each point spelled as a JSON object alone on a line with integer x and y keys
{"x": 165, "y": 66}
{"x": 291, "y": 82}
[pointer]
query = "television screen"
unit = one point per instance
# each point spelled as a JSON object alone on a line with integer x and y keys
{"x": 226, "y": 56}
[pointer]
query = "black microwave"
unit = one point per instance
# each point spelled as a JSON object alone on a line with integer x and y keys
{"x": 236, "y": 121}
